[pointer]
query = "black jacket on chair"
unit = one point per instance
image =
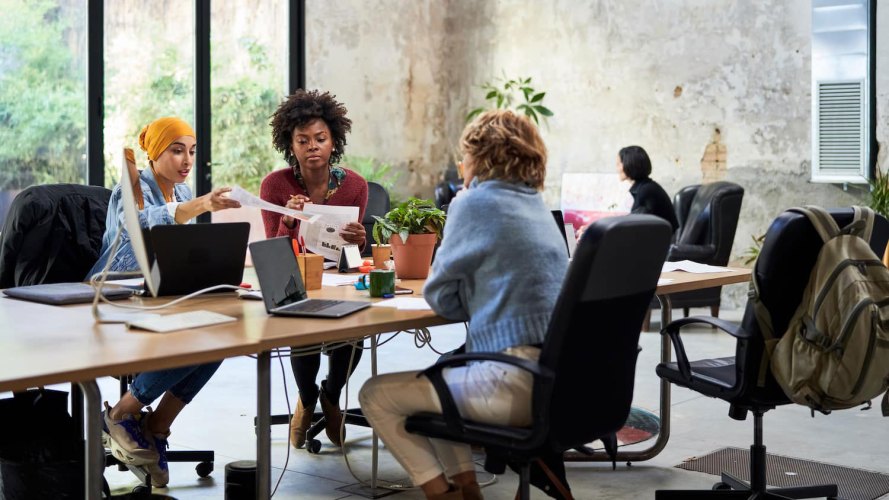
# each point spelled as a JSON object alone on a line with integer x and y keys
{"x": 52, "y": 234}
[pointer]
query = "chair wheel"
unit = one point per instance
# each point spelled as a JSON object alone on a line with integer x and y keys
{"x": 142, "y": 489}
{"x": 313, "y": 446}
{"x": 721, "y": 486}
{"x": 204, "y": 469}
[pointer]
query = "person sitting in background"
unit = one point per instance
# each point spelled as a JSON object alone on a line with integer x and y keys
{"x": 134, "y": 437}
{"x": 495, "y": 228}
{"x": 309, "y": 129}
{"x": 648, "y": 196}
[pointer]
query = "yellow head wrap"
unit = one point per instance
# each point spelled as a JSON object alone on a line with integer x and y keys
{"x": 159, "y": 134}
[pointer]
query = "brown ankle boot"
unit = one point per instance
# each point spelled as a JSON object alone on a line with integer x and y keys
{"x": 472, "y": 492}
{"x": 334, "y": 419}
{"x": 300, "y": 423}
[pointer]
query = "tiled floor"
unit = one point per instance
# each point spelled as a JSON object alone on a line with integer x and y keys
{"x": 221, "y": 418}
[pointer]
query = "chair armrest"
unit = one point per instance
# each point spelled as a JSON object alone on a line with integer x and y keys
{"x": 448, "y": 407}
{"x": 697, "y": 253}
{"x": 672, "y": 331}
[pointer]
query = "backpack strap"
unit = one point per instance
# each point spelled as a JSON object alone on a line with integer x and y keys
{"x": 764, "y": 320}
{"x": 863, "y": 218}
{"x": 822, "y": 221}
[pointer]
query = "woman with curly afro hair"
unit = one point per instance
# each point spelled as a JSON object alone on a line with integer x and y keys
{"x": 309, "y": 129}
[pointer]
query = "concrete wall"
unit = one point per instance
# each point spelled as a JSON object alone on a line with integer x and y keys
{"x": 674, "y": 77}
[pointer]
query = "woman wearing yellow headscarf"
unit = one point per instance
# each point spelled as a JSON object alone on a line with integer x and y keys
{"x": 136, "y": 437}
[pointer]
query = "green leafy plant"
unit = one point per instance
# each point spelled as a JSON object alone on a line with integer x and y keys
{"x": 374, "y": 170}
{"x": 413, "y": 216}
{"x": 752, "y": 252}
{"x": 516, "y": 94}
{"x": 879, "y": 193}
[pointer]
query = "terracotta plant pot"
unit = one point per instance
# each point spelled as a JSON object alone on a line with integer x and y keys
{"x": 412, "y": 260}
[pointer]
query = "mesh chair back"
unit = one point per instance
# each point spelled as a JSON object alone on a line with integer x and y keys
{"x": 52, "y": 234}
{"x": 592, "y": 342}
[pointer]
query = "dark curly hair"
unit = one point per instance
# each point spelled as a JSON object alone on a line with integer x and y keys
{"x": 305, "y": 106}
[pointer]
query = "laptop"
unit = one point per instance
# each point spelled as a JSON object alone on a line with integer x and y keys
{"x": 282, "y": 286}
{"x": 191, "y": 257}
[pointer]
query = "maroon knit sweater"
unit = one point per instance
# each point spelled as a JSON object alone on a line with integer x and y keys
{"x": 279, "y": 185}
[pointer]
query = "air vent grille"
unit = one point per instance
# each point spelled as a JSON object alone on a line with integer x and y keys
{"x": 840, "y": 126}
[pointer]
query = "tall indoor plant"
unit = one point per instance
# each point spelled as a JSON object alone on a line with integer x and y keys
{"x": 412, "y": 228}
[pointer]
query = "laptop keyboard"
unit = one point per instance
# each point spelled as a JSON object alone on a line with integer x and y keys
{"x": 313, "y": 305}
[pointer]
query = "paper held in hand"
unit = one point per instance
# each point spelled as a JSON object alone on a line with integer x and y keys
{"x": 248, "y": 200}
{"x": 322, "y": 236}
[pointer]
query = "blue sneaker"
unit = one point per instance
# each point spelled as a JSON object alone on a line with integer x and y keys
{"x": 126, "y": 440}
{"x": 160, "y": 470}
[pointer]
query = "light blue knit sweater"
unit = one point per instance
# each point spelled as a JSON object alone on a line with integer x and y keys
{"x": 500, "y": 266}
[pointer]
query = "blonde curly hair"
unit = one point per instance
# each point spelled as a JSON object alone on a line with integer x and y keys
{"x": 505, "y": 146}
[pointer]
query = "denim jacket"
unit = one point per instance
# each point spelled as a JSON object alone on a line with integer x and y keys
{"x": 155, "y": 212}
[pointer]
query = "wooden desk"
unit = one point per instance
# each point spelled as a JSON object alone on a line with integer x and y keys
{"x": 680, "y": 282}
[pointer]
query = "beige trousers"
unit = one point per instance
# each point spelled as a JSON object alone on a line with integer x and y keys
{"x": 486, "y": 392}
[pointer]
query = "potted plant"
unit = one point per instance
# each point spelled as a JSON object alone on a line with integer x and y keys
{"x": 412, "y": 228}
{"x": 502, "y": 95}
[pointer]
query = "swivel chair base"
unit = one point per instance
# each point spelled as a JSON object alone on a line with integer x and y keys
{"x": 353, "y": 416}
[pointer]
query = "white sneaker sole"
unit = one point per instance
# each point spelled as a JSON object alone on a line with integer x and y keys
{"x": 140, "y": 457}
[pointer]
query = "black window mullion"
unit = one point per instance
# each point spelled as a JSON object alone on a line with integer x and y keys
{"x": 203, "y": 167}
{"x": 296, "y": 45}
{"x": 95, "y": 90}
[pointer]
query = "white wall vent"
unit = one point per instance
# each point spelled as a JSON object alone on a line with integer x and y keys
{"x": 840, "y": 91}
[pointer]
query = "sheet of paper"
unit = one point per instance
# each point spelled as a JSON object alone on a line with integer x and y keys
{"x": 328, "y": 279}
{"x": 322, "y": 236}
{"x": 664, "y": 281}
{"x": 127, "y": 282}
{"x": 692, "y": 267}
{"x": 248, "y": 200}
{"x": 405, "y": 304}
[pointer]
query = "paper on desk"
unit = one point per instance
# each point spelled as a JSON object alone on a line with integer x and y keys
{"x": 328, "y": 279}
{"x": 131, "y": 282}
{"x": 322, "y": 236}
{"x": 693, "y": 267}
{"x": 664, "y": 281}
{"x": 248, "y": 200}
{"x": 405, "y": 304}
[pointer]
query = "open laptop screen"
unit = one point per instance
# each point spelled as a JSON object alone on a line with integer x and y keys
{"x": 278, "y": 272}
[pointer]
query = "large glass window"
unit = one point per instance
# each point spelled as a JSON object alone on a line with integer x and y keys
{"x": 42, "y": 95}
{"x": 149, "y": 73}
{"x": 248, "y": 54}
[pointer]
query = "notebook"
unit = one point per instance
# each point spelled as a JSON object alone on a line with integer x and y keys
{"x": 66, "y": 293}
{"x": 282, "y": 287}
{"x": 191, "y": 257}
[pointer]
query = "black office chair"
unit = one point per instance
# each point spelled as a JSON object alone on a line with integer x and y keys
{"x": 583, "y": 383}
{"x": 53, "y": 234}
{"x": 377, "y": 204}
{"x": 708, "y": 217}
{"x": 788, "y": 254}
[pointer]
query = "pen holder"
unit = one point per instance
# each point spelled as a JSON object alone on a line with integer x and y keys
{"x": 311, "y": 267}
{"x": 381, "y": 254}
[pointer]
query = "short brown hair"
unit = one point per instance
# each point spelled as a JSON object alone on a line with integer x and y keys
{"x": 505, "y": 146}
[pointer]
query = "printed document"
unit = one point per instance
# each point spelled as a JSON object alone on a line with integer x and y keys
{"x": 692, "y": 267}
{"x": 246, "y": 199}
{"x": 322, "y": 233}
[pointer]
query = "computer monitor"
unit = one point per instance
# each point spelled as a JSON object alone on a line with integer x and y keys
{"x": 151, "y": 273}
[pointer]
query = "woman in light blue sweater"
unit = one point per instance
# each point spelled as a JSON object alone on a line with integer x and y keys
{"x": 500, "y": 267}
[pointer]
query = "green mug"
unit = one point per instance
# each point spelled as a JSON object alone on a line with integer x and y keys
{"x": 382, "y": 282}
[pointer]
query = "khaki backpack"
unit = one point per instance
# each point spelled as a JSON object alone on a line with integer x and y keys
{"x": 835, "y": 352}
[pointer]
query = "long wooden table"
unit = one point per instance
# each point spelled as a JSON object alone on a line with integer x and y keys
{"x": 41, "y": 345}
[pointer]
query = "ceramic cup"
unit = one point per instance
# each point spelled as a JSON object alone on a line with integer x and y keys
{"x": 382, "y": 282}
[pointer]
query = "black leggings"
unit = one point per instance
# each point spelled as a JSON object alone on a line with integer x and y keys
{"x": 305, "y": 371}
